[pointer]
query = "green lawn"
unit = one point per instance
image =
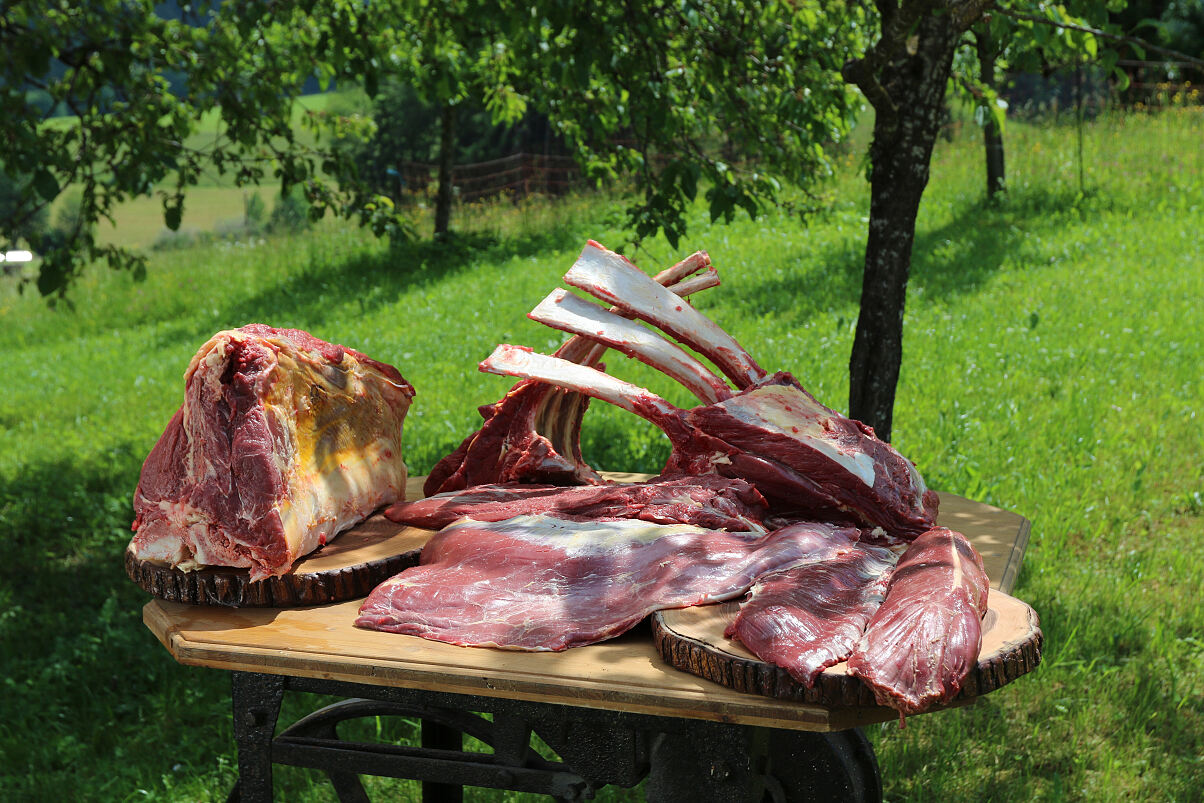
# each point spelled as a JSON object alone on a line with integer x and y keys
{"x": 1052, "y": 367}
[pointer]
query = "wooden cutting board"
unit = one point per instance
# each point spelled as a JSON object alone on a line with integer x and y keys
{"x": 348, "y": 567}
{"x": 692, "y": 639}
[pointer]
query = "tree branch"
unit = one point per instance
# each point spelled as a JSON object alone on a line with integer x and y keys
{"x": 1114, "y": 37}
{"x": 968, "y": 12}
{"x": 864, "y": 71}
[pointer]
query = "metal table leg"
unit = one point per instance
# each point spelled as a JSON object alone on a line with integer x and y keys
{"x": 437, "y": 736}
{"x": 256, "y": 700}
{"x": 684, "y": 761}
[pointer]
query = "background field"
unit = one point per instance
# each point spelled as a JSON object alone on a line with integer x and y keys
{"x": 1052, "y": 367}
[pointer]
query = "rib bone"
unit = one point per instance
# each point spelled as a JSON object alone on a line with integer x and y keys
{"x": 565, "y": 311}
{"x": 609, "y": 277}
{"x": 533, "y": 432}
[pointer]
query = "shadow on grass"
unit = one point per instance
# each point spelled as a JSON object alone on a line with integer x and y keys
{"x": 96, "y": 696}
{"x": 376, "y": 280}
{"x": 94, "y": 707}
{"x": 948, "y": 261}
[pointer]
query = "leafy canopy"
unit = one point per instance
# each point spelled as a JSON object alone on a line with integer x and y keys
{"x": 136, "y": 86}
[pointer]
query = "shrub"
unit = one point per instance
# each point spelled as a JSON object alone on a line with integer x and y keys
{"x": 253, "y": 211}
{"x": 291, "y": 212}
{"x": 183, "y": 237}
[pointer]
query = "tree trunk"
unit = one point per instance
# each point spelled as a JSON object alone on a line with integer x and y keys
{"x": 992, "y": 136}
{"x": 447, "y": 155}
{"x": 904, "y": 134}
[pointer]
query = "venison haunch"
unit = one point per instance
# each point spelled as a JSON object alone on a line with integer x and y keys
{"x": 282, "y": 442}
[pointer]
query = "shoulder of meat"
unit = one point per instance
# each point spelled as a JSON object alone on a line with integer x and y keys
{"x": 923, "y": 642}
{"x": 544, "y": 583}
{"x": 282, "y": 442}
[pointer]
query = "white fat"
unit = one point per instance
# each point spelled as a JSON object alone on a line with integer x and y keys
{"x": 956, "y": 560}
{"x": 803, "y": 421}
{"x": 581, "y": 538}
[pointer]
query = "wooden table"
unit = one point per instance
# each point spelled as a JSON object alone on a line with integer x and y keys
{"x": 620, "y": 691}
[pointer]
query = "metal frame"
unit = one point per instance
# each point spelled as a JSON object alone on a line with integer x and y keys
{"x": 684, "y": 760}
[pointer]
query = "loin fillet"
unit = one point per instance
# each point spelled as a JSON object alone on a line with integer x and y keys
{"x": 543, "y": 583}
{"x": 807, "y": 618}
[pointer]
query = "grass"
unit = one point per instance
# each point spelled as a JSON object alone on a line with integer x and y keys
{"x": 1051, "y": 367}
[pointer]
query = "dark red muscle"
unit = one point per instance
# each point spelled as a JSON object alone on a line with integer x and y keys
{"x": 713, "y": 502}
{"x": 541, "y": 583}
{"x": 924, "y": 640}
{"x": 807, "y": 618}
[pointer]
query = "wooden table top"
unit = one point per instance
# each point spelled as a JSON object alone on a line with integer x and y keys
{"x": 621, "y": 674}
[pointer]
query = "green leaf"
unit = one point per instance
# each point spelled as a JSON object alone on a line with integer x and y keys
{"x": 172, "y": 214}
{"x": 1122, "y": 79}
{"x": 46, "y": 184}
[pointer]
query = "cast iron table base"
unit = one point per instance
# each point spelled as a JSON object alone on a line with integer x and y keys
{"x": 684, "y": 760}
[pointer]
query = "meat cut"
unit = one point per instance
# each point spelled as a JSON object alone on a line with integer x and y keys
{"x": 533, "y": 433}
{"x": 804, "y": 457}
{"x": 922, "y": 643}
{"x": 282, "y": 442}
{"x": 545, "y": 583}
{"x": 714, "y": 502}
{"x": 538, "y": 567}
{"x": 807, "y": 618}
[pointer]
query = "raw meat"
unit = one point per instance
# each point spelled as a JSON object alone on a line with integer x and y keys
{"x": 714, "y": 502}
{"x": 543, "y": 583}
{"x": 924, "y": 640}
{"x": 801, "y": 455}
{"x": 807, "y": 618}
{"x": 282, "y": 442}
{"x": 533, "y": 433}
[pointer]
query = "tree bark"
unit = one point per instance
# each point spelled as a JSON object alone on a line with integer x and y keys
{"x": 992, "y": 136}
{"x": 447, "y": 156}
{"x": 905, "y": 129}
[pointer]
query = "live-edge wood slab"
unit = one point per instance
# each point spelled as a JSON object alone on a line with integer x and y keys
{"x": 350, "y": 566}
{"x": 692, "y": 640}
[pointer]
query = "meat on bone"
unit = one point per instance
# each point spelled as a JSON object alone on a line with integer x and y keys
{"x": 608, "y": 276}
{"x": 283, "y": 441}
{"x": 544, "y": 583}
{"x": 533, "y": 433}
{"x": 714, "y": 502}
{"x": 802, "y": 456}
{"x": 923, "y": 642}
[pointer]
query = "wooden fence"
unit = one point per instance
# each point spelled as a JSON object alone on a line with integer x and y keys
{"x": 518, "y": 175}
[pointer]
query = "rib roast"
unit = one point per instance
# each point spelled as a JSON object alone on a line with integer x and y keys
{"x": 282, "y": 442}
